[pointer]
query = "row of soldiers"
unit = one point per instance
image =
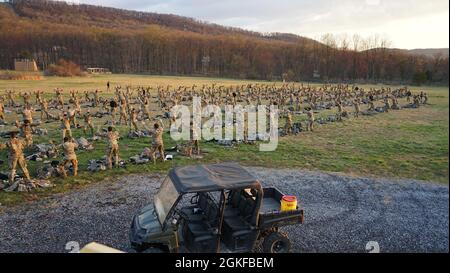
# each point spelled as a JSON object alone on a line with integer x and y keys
{"x": 140, "y": 103}
{"x": 287, "y": 96}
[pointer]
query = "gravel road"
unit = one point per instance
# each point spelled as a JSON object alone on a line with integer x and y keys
{"x": 342, "y": 214}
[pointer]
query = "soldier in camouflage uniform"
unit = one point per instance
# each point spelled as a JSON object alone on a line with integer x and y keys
{"x": 357, "y": 108}
{"x": 387, "y": 104}
{"x": 158, "y": 144}
{"x": 96, "y": 98}
{"x": 113, "y": 148}
{"x": 72, "y": 113}
{"x": 27, "y": 132}
{"x": 310, "y": 124}
{"x": 65, "y": 126}
{"x": 416, "y": 101}
{"x": 133, "y": 119}
{"x": 123, "y": 112}
{"x": 15, "y": 156}
{"x": 371, "y": 104}
{"x": 27, "y": 113}
{"x": 288, "y": 125}
{"x": 87, "y": 117}
{"x": 26, "y": 98}
{"x": 2, "y": 111}
{"x": 69, "y": 147}
{"x": 59, "y": 98}
{"x": 11, "y": 96}
{"x": 44, "y": 109}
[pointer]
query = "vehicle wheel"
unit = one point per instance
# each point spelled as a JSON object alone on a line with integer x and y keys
{"x": 149, "y": 249}
{"x": 276, "y": 242}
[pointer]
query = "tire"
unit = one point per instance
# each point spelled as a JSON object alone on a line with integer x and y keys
{"x": 150, "y": 249}
{"x": 276, "y": 242}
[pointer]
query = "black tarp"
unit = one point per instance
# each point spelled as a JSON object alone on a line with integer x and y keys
{"x": 213, "y": 177}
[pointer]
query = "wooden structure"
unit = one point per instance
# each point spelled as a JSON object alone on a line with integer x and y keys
{"x": 98, "y": 70}
{"x": 26, "y": 65}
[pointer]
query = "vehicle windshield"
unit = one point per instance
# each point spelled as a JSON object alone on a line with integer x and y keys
{"x": 165, "y": 199}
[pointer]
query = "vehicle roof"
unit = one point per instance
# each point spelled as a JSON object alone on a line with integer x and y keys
{"x": 213, "y": 177}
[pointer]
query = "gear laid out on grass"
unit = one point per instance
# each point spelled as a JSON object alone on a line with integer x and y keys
{"x": 22, "y": 185}
{"x": 95, "y": 165}
{"x": 139, "y": 134}
{"x": 84, "y": 144}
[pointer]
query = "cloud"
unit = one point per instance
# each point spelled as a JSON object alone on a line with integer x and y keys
{"x": 394, "y": 19}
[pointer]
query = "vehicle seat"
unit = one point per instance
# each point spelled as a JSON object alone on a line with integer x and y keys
{"x": 232, "y": 208}
{"x": 200, "y": 233}
{"x": 238, "y": 233}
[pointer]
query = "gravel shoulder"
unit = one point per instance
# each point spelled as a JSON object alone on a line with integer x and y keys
{"x": 342, "y": 214}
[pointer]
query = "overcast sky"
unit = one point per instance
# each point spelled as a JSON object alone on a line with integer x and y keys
{"x": 406, "y": 23}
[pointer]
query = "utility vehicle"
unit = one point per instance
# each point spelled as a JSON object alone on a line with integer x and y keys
{"x": 213, "y": 208}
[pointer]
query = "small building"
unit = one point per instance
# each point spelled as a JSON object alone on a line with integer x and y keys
{"x": 98, "y": 70}
{"x": 26, "y": 65}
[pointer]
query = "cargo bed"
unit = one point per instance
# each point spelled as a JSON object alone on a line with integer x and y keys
{"x": 270, "y": 215}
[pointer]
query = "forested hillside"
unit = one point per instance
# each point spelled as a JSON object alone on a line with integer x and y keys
{"x": 139, "y": 42}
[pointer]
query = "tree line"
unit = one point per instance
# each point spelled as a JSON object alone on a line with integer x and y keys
{"x": 137, "y": 42}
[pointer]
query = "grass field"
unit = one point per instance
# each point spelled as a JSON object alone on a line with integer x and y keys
{"x": 409, "y": 143}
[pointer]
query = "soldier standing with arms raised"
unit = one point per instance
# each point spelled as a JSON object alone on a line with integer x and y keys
{"x": 15, "y": 146}
{"x": 158, "y": 144}
{"x": 113, "y": 148}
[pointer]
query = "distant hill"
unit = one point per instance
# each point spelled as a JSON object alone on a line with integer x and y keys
{"x": 424, "y": 52}
{"x": 126, "y": 41}
{"x": 431, "y": 52}
{"x": 60, "y": 12}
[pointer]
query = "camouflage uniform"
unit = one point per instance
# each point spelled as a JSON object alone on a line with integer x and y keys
{"x": 158, "y": 144}
{"x": 72, "y": 117}
{"x": 27, "y": 114}
{"x": 425, "y": 98}
{"x": 96, "y": 98}
{"x": 16, "y": 157}
{"x": 44, "y": 109}
{"x": 59, "y": 98}
{"x": 357, "y": 108}
{"x": 340, "y": 112}
{"x": 88, "y": 123}
{"x": 288, "y": 125}
{"x": 416, "y": 101}
{"x": 70, "y": 156}
{"x": 310, "y": 125}
{"x": 123, "y": 113}
{"x": 113, "y": 149}
{"x": 387, "y": 104}
{"x": 371, "y": 104}
{"x": 2, "y": 111}
{"x": 26, "y": 133}
{"x": 133, "y": 119}
{"x": 65, "y": 126}
{"x": 11, "y": 101}
{"x": 26, "y": 98}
